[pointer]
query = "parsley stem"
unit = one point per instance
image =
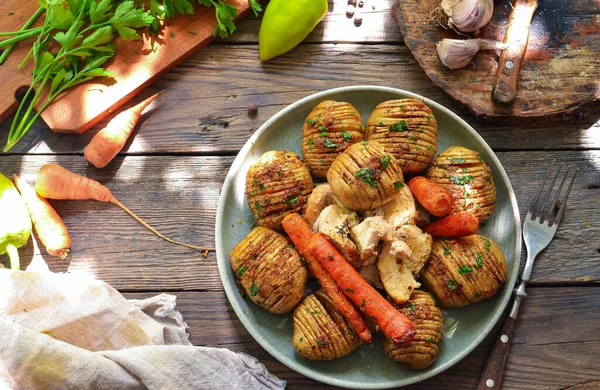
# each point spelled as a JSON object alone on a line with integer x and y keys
{"x": 23, "y": 31}
{"x": 19, "y": 38}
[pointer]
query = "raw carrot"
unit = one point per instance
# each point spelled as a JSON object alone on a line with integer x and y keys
{"x": 110, "y": 140}
{"x": 56, "y": 182}
{"x": 300, "y": 234}
{"x": 455, "y": 225}
{"x": 435, "y": 198}
{"x": 50, "y": 229}
{"x": 394, "y": 324}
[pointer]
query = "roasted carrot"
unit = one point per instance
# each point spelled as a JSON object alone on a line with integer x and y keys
{"x": 110, "y": 140}
{"x": 455, "y": 225}
{"x": 50, "y": 229}
{"x": 300, "y": 234}
{"x": 435, "y": 198}
{"x": 56, "y": 182}
{"x": 394, "y": 324}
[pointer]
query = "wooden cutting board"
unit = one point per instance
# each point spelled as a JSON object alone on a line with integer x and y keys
{"x": 559, "y": 78}
{"x": 136, "y": 65}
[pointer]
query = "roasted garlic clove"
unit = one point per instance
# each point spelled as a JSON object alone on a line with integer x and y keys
{"x": 270, "y": 270}
{"x": 365, "y": 176}
{"x": 321, "y": 332}
{"x": 329, "y": 129}
{"x": 407, "y": 129}
{"x": 276, "y": 185}
{"x": 468, "y": 178}
{"x": 464, "y": 270}
{"x": 423, "y": 348}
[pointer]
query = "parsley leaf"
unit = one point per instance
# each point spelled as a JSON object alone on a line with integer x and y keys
{"x": 368, "y": 176}
{"x": 452, "y": 284}
{"x": 346, "y": 136}
{"x": 330, "y": 144}
{"x": 385, "y": 162}
{"x": 464, "y": 269}
{"x": 398, "y": 185}
{"x": 399, "y": 126}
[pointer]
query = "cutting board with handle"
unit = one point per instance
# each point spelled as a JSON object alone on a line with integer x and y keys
{"x": 136, "y": 65}
{"x": 559, "y": 77}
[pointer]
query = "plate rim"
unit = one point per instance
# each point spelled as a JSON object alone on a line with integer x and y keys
{"x": 223, "y": 265}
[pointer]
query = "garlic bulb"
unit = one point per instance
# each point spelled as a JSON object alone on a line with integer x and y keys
{"x": 468, "y": 15}
{"x": 457, "y": 53}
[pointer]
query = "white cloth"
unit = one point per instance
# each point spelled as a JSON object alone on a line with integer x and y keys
{"x": 63, "y": 331}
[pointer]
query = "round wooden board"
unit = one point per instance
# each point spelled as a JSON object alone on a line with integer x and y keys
{"x": 560, "y": 77}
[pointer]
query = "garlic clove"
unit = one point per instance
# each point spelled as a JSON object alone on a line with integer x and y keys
{"x": 468, "y": 15}
{"x": 457, "y": 53}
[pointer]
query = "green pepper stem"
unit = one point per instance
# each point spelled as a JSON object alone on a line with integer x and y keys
{"x": 13, "y": 255}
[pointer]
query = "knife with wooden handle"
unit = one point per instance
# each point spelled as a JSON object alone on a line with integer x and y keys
{"x": 511, "y": 59}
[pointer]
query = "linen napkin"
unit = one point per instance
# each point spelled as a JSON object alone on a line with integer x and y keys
{"x": 65, "y": 331}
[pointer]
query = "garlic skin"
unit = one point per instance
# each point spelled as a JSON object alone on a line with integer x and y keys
{"x": 457, "y": 53}
{"x": 468, "y": 15}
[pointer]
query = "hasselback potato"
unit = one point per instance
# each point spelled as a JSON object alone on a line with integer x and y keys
{"x": 329, "y": 129}
{"x": 270, "y": 271}
{"x": 276, "y": 185}
{"x": 407, "y": 129}
{"x": 468, "y": 178}
{"x": 321, "y": 332}
{"x": 464, "y": 270}
{"x": 423, "y": 348}
{"x": 365, "y": 176}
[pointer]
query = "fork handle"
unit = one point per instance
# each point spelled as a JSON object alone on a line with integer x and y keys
{"x": 493, "y": 371}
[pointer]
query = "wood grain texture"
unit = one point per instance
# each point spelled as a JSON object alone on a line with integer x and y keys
{"x": 560, "y": 59}
{"x": 541, "y": 357}
{"x": 214, "y": 87}
{"x": 179, "y": 196}
{"x": 135, "y": 66}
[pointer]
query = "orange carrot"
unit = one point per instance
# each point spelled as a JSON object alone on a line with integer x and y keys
{"x": 110, "y": 140}
{"x": 50, "y": 229}
{"x": 300, "y": 234}
{"x": 55, "y": 182}
{"x": 435, "y": 198}
{"x": 394, "y": 324}
{"x": 455, "y": 225}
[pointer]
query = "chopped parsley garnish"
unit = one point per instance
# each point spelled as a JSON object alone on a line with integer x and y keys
{"x": 310, "y": 122}
{"x": 467, "y": 198}
{"x": 254, "y": 289}
{"x": 330, "y": 144}
{"x": 461, "y": 180}
{"x": 316, "y": 312}
{"x": 464, "y": 170}
{"x": 364, "y": 142}
{"x": 430, "y": 147}
{"x": 258, "y": 206}
{"x": 459, "y": 160}
{"x": 310, "y": 141}
{"x": 192, "y": 32}
{"x": 302, "y": 261}
{"x": 411, "y": 307}
{"x": 380, "y": 123}
{"x": 346, "y": 136}
{"x": 362, "y": 305}
{"x": 477, "y": 296}
{"x": 349, "y": 290}
{"x": 323, "y": 134}
{"x": 414, "y": 139}
{"x": 385, "y": 162}
{"x": 487, "y": 245}
{"x": 292, "y": 200}
{"x": 242, "y": 270}
{"x": 321, "y": 128}
{"x": 172, "y": 34}
{"x": 479, "y": 260}
{"x": 301, "y": 339}
{"x": 430, "y": 340}
{"x": 447, "y": 250}
{"x": 399, "y": 126}
{"x": 479, "y": 158}
{"x": 464, "y": 269}
{"x": 452, "y": 284}
{"x": 319, "y": 343}
{"x": 398, "y": 185}
{"x": 368, "y": 176}
{"x": 261, "y": 187}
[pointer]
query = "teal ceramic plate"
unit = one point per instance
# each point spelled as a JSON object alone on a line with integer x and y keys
{"x": 367, "y": 367}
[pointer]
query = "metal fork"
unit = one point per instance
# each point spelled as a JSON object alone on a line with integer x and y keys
{"x": 539, "y": 229}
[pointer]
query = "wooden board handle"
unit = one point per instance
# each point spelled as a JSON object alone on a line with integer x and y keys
{"x": 493, "y": 371}
{"x": 511, "y": 59}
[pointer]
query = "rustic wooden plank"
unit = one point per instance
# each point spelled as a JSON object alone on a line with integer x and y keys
{"x": 179, "y": 196}
{"x": 215, "y": 86}
{"x": 541, "y": 357}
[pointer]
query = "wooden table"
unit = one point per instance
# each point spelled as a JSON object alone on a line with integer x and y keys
{"x": 172, "y": 171}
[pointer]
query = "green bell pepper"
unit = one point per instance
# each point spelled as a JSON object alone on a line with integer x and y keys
{"x": 286, "y": 23}
{"x": 15, "y": 223}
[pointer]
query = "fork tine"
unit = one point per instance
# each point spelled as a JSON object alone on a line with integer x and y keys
{"x": 532, "y": 207}
{"x": 564, "y": 201}
{"x": 541, "y": 209}
{"x": 555, "y": 200}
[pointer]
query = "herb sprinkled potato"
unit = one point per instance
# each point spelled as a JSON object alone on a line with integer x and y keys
{"x": 277, "y": 184}
{"x": 270, "y": 270}
{"x": 464, "y": 173}
{"x": 407, "y": 129}
{"x": 422, "y": 349}
{"x": 321, "y": 332}
{"x": 464, "y": 270}
{"x": 365, "y": 176}
{"x": 329, "y": 129}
